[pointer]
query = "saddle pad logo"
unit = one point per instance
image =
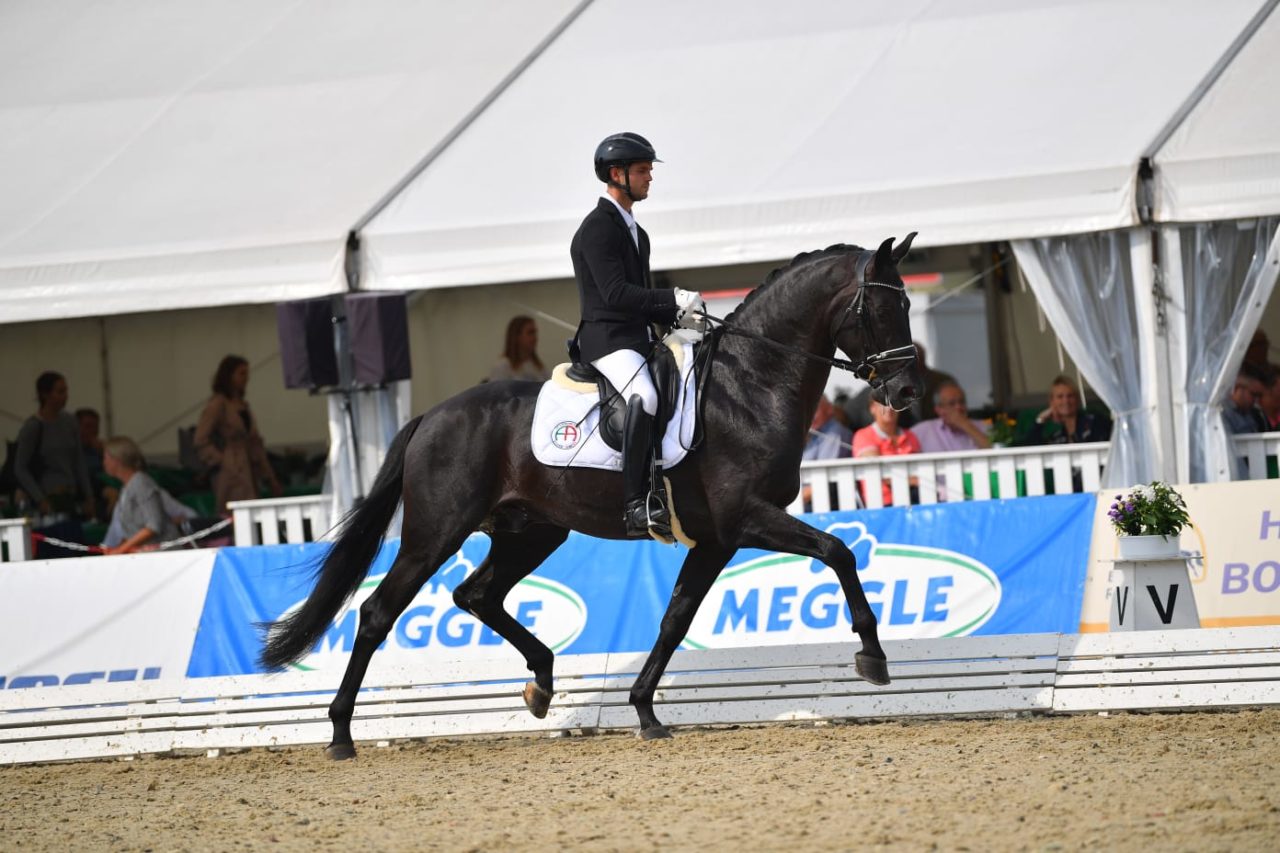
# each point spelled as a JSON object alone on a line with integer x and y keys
{"x": 566, "y": 435}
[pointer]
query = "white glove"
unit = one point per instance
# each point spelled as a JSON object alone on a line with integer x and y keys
{"x": 688, "y": 302}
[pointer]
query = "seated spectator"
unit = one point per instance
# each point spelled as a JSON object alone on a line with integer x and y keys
{"x": 920, "y": 409}
{"x": 48, "y": 463}
{"x": 952, "y": 429}
{"x": 1063, "y": 422}
{"x": 828, "y": 438}
{"x": 1241, "y": 411}
{"x": 1270, "y": 402}
{"x": 141, "y": 521}
{"x": 884, "y": 438}
{"x": 519, "y": 358}
{"x": 853, "y": 405}
{"x": 1259, "y": 350}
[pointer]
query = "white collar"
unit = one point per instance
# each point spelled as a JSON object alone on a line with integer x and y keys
{"x": 627, "y": 217}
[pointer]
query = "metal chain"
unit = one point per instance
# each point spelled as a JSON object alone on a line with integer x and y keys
{"x": 163, "y": 546}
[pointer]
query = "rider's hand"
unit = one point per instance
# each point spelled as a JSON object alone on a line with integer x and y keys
{"x": 688, "y": 302}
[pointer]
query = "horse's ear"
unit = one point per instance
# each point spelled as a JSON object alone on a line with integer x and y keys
{"x": 885, "y": 252}
{"x": 901, "y": 252}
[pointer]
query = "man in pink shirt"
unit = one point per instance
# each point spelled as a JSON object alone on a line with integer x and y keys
{"x": 884, "y": 438}
{"x": 952, "y": 429}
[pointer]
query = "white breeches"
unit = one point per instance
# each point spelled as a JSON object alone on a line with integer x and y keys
{"x": 628, "y": 372}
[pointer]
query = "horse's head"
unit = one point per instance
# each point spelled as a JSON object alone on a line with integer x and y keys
{"x": 871, "y": 326}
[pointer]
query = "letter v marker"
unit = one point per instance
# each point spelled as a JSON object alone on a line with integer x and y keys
{"x": 1165, "y": 615}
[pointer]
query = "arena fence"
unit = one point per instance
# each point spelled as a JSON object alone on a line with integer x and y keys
{"x": 1032, "y": 673}
{"x": 826, "y": 486}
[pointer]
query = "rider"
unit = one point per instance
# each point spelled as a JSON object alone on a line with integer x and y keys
{"x": 611, "y": 263}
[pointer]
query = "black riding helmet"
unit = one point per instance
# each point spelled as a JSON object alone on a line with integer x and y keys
{"x": 622, "y": 149}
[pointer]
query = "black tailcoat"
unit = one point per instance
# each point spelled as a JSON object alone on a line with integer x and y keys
{"x": 617, "y": 296}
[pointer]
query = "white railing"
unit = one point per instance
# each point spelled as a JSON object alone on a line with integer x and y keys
{"x": 838, "y": 484}
{"x": 1256, "y": 449}
{"x": 828, "y": 485}
{"x": 281, "y": 520}
{"x": 15, "y": 540}
{"x": 964, "y": 676}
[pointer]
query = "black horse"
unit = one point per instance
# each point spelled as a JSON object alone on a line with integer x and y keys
{"x": 468, "y": 465}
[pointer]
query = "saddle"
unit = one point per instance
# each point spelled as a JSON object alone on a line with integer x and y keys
{"x": 613, "y": 407}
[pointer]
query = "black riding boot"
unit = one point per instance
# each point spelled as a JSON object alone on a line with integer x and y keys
{"x": 645, "y": 510}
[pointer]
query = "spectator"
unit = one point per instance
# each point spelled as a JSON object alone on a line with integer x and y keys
{"x": 1258, "y": 350}
{"x": 140, "y": 522}
{"x": 853, "y": 405}
{"x": 920, "y": 408}
{"x": 1063, "y": 422}
{"x": 520, "y": 354}
{"x": 828, "y": 438}
{"x": 228, "y": 440}
{"x": 884, "y": 438}
{"x": 48, "y": 463}
{"x": 1270, "y": 402}
{"x": 104, "y": 497}
{"x": 952, "y": 429}
{"x": 1241, "y": 411}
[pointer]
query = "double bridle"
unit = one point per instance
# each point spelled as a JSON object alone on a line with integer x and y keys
{"x": 874, "y": 369}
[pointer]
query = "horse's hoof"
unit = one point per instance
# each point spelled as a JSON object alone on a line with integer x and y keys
{"x": 537, "y": 699}
{"x": 875, "y": 670}
{"x": 340, "y": 751}
{"x": 658, "y": 732}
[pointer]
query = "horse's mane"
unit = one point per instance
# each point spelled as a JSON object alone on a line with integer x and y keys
{"x": 801, "y": 260}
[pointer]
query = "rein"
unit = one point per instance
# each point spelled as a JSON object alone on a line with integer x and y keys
{"x": 866, "y": 370}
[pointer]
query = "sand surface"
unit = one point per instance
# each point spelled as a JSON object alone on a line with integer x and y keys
{"x": 1123, "y": 782}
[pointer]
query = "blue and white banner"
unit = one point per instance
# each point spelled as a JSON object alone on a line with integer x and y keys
{"x": 983, "y": 567}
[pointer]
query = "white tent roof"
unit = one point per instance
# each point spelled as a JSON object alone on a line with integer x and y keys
{"x": 787, "y": 127}
{"x": 1223, "y": 161}
{"x": 187, "y": 153}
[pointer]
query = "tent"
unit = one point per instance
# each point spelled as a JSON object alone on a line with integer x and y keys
{"x": 183, "y": 155}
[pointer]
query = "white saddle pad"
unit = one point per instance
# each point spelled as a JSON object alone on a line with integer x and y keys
{"x": 566, "y": 420}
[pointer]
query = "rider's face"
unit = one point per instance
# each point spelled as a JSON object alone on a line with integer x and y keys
{"x": 641, "y": 175}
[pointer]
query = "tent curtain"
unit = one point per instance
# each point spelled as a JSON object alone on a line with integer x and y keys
{"x": 1084, "y": 284}
{"x": 1228, "y": 273}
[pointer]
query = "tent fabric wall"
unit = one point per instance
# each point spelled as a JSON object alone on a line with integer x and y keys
{"x": 1223, "y": 161}
{"x": 183, "y": 154}
{"x": 787, "y": 128}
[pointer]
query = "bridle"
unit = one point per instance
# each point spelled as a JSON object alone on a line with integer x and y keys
{"x": 875, "y": 369}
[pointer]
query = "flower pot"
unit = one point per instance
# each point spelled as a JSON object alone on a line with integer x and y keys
{"x": 1149, "y": 547}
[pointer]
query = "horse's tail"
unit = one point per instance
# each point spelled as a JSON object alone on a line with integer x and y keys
{"x": 346, "y": 565}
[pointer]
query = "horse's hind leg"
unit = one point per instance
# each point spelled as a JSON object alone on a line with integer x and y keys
{"x": 415, "y": 563}
{"x": 768, "y": 527}
{"x": 512, "y": 557}
{"x": 700, "y": 570}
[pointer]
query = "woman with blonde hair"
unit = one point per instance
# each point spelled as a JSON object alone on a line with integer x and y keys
{"x": 228, "y": 440}
{"x": 520, "y": 354}
{"x": 140, "y": 521}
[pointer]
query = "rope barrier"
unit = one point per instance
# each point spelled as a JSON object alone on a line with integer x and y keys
{"x": 163, "y": 546}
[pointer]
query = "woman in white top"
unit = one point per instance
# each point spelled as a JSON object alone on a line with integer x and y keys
{"x": 520, "y": 355}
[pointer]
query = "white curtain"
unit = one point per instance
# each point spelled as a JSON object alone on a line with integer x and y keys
{"x": 1227, "y": 271}
{"x": 1085, "y": 286}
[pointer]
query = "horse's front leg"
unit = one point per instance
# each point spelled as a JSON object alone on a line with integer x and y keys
{"x": 699, "y": 571}
{"x": 768, "y": 527}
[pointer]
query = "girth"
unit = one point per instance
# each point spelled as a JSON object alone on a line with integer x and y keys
{"x": 613, "y": 407}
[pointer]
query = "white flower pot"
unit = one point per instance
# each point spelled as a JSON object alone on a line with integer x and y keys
{"x": 1148, "y": 547}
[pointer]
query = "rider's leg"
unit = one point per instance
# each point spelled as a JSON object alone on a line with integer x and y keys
{"x": 629, "y": 373}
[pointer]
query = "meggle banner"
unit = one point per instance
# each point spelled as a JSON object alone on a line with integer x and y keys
{"x": 989, "y": 567}
{"x": 100, "y": 619}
